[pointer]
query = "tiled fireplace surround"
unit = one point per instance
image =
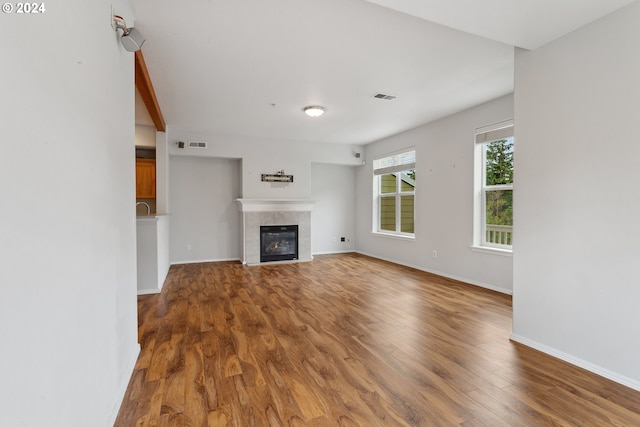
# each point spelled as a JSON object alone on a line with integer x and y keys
{"x": 258, "y": 212}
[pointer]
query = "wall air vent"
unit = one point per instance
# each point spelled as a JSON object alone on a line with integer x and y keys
{"x": 197, "y": 144}
{"x": 383, "y": 96}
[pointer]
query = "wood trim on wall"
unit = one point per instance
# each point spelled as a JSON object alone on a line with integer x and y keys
{"x": 145, "y": 87}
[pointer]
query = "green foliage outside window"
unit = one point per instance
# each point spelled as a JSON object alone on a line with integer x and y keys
{"x": 499, "y": 166}
{"x": 499, "y": 171}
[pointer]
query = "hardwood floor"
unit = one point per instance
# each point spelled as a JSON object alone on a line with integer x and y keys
{"x": 348, "y": 340}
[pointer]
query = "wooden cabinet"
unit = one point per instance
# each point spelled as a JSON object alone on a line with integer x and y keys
{"x": 145, "y": 179}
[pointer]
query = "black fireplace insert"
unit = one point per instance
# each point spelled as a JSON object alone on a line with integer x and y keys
{"x": 278, "y": 243}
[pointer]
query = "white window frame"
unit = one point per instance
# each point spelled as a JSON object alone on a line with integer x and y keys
{"x": 483, "y": 136}
{"x": 393, "y": 163}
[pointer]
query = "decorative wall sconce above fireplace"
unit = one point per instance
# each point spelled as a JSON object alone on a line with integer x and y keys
{"x": 277, "y": 177}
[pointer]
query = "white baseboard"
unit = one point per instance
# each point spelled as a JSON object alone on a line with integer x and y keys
{"x": 345, "y": 251}
{"x": 204, "y": 260}
{"x": 439, "y": 273}
{"x": 599, "y": 370}
{"x": 124, "y": 383}
{"x": 148, "y": 291}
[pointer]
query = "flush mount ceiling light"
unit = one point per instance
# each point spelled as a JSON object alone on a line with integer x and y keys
{"x": 314, "y": 110}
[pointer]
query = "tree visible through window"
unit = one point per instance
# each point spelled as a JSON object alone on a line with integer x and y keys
{"x": 494, "y": 186}
{"x": 498, "y": 192}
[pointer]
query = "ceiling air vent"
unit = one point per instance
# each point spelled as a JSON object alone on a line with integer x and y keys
{"x": 383, "y": 96}
{"x": 197, "y": 144}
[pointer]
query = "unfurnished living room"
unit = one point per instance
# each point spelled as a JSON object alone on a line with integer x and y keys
{"x": 320, "y": 213}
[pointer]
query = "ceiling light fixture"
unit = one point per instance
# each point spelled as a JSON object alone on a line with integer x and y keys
{"x": 314, "y": 110}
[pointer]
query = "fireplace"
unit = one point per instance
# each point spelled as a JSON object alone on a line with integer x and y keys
{"x": 257, "y": 213}
{"x": 278, "y": 243}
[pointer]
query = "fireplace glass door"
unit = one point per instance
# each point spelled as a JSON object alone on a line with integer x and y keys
{"x": 278, "y": 243}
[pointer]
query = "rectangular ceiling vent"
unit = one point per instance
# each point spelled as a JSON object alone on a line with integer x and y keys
{"x": 383, "y": 96}
{"x": 197, "y": 144}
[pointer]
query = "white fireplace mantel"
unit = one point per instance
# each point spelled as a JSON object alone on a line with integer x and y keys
{"x": 275, "y": 205}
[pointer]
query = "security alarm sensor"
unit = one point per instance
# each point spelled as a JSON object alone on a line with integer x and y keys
{"x": 132, "y": 39}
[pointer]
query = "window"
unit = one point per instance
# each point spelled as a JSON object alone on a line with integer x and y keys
{"x": 494, "y": 186}
{"x": 395, "y": 184}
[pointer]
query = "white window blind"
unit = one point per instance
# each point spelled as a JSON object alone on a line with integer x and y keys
{"x": 395, "y": 163}
{"x": 495, "y": 132}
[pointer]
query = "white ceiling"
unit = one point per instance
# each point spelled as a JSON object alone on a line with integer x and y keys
{"x": 248, "y": 67}
{"x": 528, "y": 24}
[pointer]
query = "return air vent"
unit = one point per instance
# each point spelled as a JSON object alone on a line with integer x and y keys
{"x": 197, "y": 144}
{"x": 383, "y": 96}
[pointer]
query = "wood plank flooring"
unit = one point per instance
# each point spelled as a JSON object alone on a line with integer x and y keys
{"x": 348, "y": 340}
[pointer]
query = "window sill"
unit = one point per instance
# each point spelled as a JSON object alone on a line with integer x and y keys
{"x": 492, "y": 251}
{"x": 394, "y": 236}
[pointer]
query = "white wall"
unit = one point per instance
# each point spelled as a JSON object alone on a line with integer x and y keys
{"x": 67, "y": 231}
{"x": 444, "y": 200}
{"x": 152, "y": 233}
{"x": 257, "y": 156}
{"x": 577, "y": 208}
{"x": 162, "y": 174}
{"x": 145, "y": 136}
{"x": 333, "y": 216}
{"x": 204, "y": 213}
{"x": 268, "y": 156}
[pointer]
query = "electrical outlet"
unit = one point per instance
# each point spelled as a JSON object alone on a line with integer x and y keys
{"x": 343, "y": 239}
{"x": 435, "y": 254}
{"x": 188, "y": 246}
